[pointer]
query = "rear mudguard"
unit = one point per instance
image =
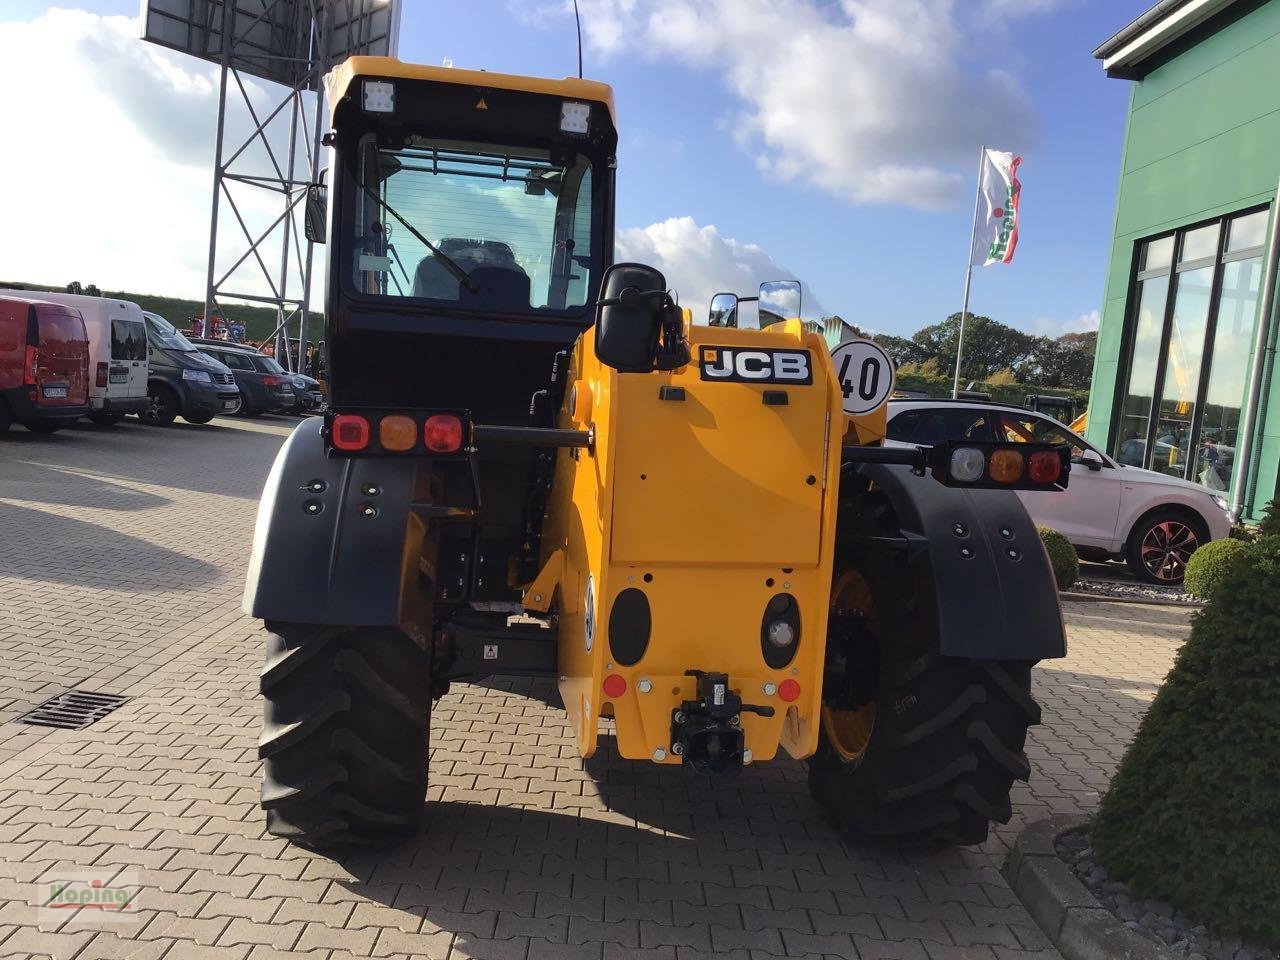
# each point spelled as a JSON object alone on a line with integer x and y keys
{"x": 975, "y": 561}
{"x": 336, "y": 541}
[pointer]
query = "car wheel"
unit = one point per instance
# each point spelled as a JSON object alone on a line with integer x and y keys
{"x": 162, "y": 409}
{"x": 1161, "y": 544}
{"x": 200, "y": 419}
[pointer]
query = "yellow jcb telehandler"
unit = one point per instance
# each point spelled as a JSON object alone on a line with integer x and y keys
{"x": 536, "y": 463}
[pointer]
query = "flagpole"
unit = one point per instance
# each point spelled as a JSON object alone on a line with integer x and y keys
{"x": 968, "y": 274}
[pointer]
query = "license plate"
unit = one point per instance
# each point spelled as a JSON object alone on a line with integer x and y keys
{"x": 54, "y": 392}
{"x": 230, "y": 404}
{"x": 118, "y": 377}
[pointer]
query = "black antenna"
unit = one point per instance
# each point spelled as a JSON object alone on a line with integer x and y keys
{"x": 578, "y": 20}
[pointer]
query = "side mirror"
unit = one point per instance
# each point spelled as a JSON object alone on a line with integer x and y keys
{"x": 315, "y": 213}
{"x": 1091, "y": 460}
{"x": 779, "y": 300}
{"x": 724, "y": 310}
{"x": 629, "y": 317}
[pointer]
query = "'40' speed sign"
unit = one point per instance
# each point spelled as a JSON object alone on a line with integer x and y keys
{"x": 865, "y": 374}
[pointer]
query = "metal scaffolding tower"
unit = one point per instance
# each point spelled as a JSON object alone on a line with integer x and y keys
{"x": 269, "y": 149}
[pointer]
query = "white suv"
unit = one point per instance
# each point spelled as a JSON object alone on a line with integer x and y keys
{"x": 1109, "y": 511}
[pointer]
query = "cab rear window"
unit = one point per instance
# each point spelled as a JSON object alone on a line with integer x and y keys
{"x": 60, "y": 327}
{"x": 128, "y": 339}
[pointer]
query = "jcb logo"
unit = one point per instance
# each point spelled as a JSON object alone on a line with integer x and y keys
{"x": 738, "y": 365}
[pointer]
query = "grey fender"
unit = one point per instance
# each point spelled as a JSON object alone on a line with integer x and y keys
{"x": 976, "y": 561}
{"x": 318, "y": 556}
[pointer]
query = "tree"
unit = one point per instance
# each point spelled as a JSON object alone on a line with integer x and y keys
{"x": 902, "y": 350}
{"x": 1063, "y": 362}
{"x": 988, "y": 345}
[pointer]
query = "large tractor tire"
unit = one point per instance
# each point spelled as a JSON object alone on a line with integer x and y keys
{"x": 345, "y": 734}
{"x": 915, "y": 747}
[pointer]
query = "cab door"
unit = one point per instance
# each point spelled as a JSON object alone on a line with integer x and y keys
{"x": 1086, "y": 512}
{"x": 127, "y": 374}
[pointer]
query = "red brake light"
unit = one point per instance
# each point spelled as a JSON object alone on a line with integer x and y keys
{"x": 442, "y": 433}
{"x": 350, "y": 431}
{"x": 615, "y": 685}
{"x": 270, "y": 381}
{"x": 1044, "y": 466}
{"x": 101, "y": 378}
{"x": 32, "y": 366}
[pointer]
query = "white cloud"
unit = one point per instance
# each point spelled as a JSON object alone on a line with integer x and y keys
{"x": 699, "y": 262}
{"x": 107, "y": 166}
{"x": 869, "y": 100}
{"x": 1085, "y": 323}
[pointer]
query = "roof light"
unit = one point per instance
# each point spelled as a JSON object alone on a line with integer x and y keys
{"x": 397, "y": 432}
{"x": 1045, "y": 467}
{"x": 967, "y": 464}
{"x": 1005, "y": 466}
{"x": 350, "y": 431}
{"x": 379, "y": 96}
{"x": 442, "y": 433}
{"x": 575, "y": 117}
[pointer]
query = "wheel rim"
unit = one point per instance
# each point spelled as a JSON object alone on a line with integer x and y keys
{"x": 849, "y": 731}
{"x": 1166, "y": 547}
{"x": 157, "y": 408}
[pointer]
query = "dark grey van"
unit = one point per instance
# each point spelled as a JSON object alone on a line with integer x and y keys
{"x": 183, "y": 380}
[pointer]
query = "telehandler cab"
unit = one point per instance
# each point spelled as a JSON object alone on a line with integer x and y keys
{"x": 535, "y": 463}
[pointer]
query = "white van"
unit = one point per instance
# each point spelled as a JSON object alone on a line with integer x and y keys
{"x": 117, "y": 352}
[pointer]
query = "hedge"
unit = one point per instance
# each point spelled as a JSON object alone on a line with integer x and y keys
{"x": 1208, "y": 565}
{"x": 1062, "y": 557}
{"x": 1193, "y": 812}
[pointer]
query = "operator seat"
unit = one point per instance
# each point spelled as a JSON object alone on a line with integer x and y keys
{"x": 491, "y": 264}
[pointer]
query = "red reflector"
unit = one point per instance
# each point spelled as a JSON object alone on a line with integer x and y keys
{"x": 615, "y": 685}
{"x": 350, "y": 432}
{"x": 789, "y": 690}
{"x": 442, "y": 433}
{"x": 1044, "y": 467}
{"x": 32, "y": 366}
{"x": 101, "y": 378}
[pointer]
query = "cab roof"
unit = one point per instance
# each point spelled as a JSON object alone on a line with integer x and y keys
{"x": 346, "y": 73}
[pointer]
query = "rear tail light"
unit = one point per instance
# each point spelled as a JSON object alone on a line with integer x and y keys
{"x": 350, "y": 431}
{"x": 442, "y": 433}
{"x": 270, "y": 381}
{"x": 101, "y": 377}
{"x": 1044, "y": 467}
{"x": 397, "y": 432}
{"x": 31, "y": 367}
{"x": 1005, "y": 466}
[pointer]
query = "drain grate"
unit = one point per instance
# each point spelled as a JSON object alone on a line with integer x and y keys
{"x": 73, "y": 710}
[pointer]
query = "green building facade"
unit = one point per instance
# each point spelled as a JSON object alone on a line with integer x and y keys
{"x": 1184, "y": 381}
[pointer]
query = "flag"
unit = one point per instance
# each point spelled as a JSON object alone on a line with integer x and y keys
{"x": 996, "y": 233}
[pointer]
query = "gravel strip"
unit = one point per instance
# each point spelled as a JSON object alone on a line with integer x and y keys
{"x": 1136, "y": 591}
{"x": 1153, "y": 919}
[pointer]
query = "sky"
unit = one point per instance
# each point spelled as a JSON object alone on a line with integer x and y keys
{"x": 833, "y": 141}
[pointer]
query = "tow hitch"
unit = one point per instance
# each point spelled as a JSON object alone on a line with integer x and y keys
{"x": 707, "y": 732}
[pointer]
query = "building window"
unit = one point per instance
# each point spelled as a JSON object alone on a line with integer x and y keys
{"x": 1188, "y": 342}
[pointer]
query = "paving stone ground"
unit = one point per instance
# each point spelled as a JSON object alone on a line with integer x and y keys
{"x": 121, "y": 565}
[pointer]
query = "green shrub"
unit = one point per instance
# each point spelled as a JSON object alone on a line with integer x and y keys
{"x": 1062, "y": 557}
{"x": 1193, "y": 812}
{"x": 1208, "y": 566}
{"x": 1269, "y": 525}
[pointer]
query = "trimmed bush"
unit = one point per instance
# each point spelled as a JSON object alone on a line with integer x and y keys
{"x": 1208, "y": 565}
{"x": 1269, "y": 525}
{"x": 1062, "y": 557}
{"x": 1193, "y": 812}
